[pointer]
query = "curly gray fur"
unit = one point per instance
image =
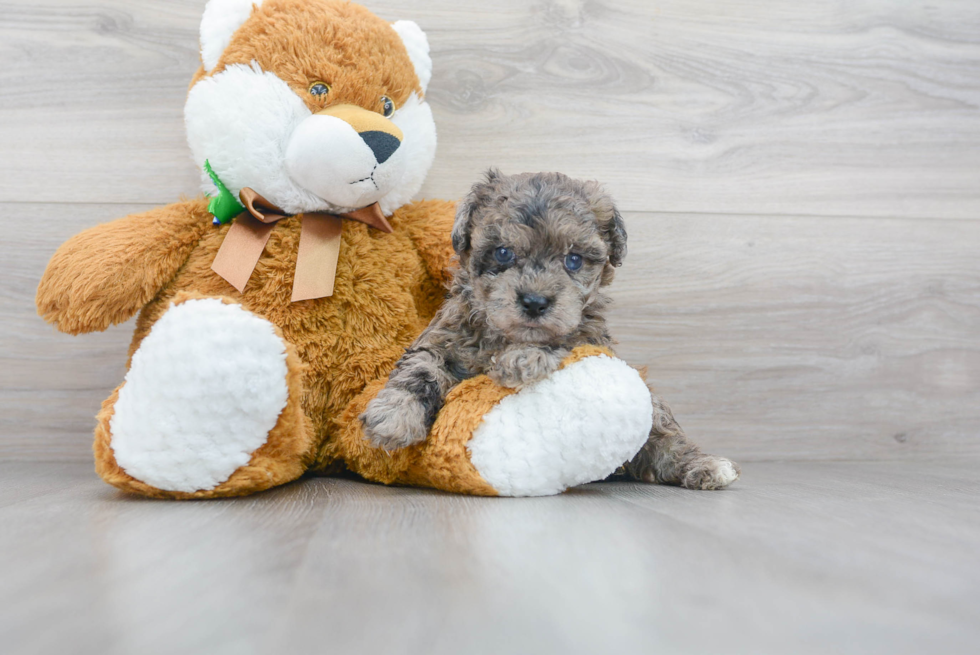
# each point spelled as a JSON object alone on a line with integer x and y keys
{"x": 515, "y": 315}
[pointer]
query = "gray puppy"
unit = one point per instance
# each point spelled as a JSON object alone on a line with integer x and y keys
{"x": 535, "y": 252}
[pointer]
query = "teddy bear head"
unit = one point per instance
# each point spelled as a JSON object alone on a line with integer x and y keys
{"x": 317, "y": 105}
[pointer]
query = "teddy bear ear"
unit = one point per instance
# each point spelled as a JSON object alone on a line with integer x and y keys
{"x": 220, "y": 21}
{"x": 418, "y": 49}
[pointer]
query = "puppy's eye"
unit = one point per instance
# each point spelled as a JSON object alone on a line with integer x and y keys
{"x": 387, "y": 106}
{"x": 319, "y": 89}
{"x": 503, "y": 255}
{"x": 573, "y": 262}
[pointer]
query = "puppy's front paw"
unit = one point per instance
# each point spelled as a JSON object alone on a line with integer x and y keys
{"x": 710, "y": 472}
{"x": 395, "y": 418}
{"x": 518, "y": 367}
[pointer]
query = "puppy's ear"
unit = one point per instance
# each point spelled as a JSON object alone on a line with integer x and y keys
{"x": 461, "y": 226}
{"x": 611, "y": 225}
{"x": 479, "y": 194}
{"x": 616, "y": 236}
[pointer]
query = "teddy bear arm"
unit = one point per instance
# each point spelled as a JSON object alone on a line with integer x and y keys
{"x": 429, "y": 224}
{"x": 106, "y": 274}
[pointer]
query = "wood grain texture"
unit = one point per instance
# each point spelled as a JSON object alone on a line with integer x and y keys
{"x": 805, "y": 337}
{"x": 796, "y": 558}
{"x": 772, "y": 337}
{"x": 864, "y": 108}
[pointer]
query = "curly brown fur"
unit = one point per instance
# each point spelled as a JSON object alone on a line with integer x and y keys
{"x": 535, "y": 254}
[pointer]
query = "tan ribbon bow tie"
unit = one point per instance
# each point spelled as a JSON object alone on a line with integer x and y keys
{"x": 319, "y": 244}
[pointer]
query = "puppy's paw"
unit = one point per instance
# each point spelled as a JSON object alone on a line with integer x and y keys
{"x": 395, "y": 418}
{"x": 520, "y": 366}
{"x": 710, "y": 472}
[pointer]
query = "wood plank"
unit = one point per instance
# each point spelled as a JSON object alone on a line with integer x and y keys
{"x": 92, "y": 101}
{"x": 799, "y": 337}
{"x": 867, "y": 108}
{"x": 772, "y": 338}
{"x": 797, "y": 558}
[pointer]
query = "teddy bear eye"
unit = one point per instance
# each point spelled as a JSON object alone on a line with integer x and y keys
{"x": 319, "y": 89}
{"x": 503, "y": 255}
{"x": 387, "y": 106}
{"x": 573, "y": 261}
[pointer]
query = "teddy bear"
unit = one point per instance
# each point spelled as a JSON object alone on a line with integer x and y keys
{"x": 272, "y": 309}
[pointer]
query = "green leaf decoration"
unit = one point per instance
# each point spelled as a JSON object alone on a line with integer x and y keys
{"x": 225, "y": 205}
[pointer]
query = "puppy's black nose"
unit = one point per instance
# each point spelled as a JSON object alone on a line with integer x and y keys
{"x": 382, "y": 144}
{"x": 533, "y": 304}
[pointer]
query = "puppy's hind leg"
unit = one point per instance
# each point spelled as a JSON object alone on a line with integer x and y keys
{"x": 668, "y": 457}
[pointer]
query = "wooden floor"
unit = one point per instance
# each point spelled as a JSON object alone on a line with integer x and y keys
{"x": 827, "y": 557}
{"x": 801, "y": 185}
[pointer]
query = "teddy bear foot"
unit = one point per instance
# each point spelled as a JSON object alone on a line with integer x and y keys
{"x": 209, "y": 407}
{"x": 576, "y": 426}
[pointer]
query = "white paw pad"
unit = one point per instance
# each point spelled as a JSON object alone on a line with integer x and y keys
{"x": 576, "y": 426}
{"x": 725, "y": 473}
{"x": 206, "y": 386}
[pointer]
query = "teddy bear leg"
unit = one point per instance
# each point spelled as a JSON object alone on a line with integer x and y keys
{"x": 576, "y": 426}
{"x": 210, "y": 407}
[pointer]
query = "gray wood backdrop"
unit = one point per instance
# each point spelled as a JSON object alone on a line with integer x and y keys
{"x": 801, "y": 182}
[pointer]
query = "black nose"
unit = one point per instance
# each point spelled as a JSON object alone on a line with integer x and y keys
{"x": 533, "y": 304}
{"x": 382, "y": 144}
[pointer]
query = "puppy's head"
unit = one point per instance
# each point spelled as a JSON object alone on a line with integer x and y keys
{"x": 536, "y": 248}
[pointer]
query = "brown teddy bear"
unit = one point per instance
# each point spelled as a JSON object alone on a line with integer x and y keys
{"x": 271, "y": 313}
